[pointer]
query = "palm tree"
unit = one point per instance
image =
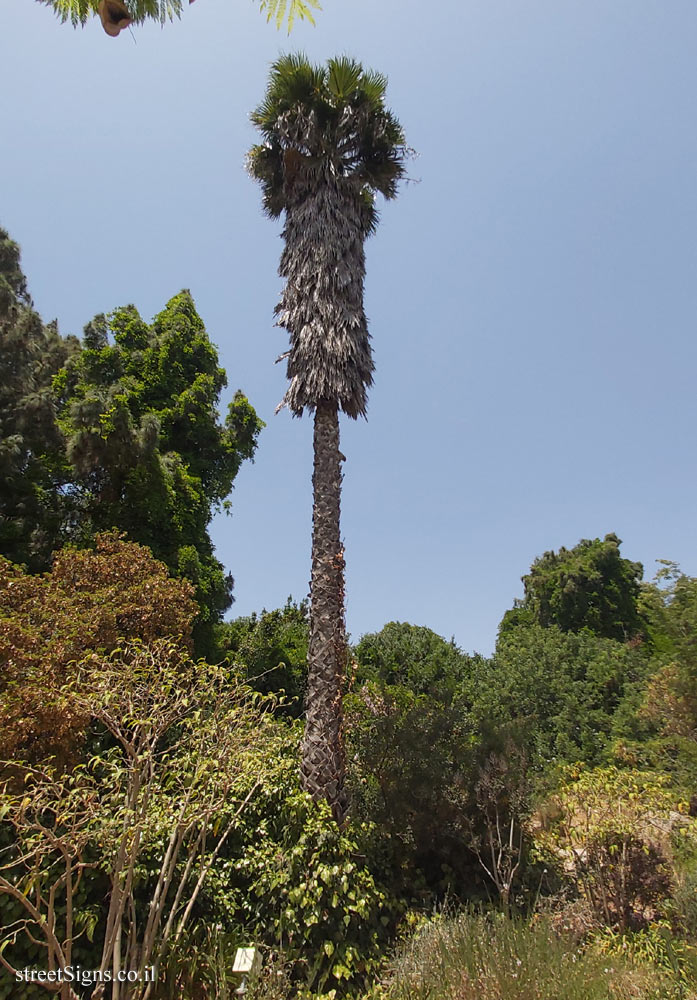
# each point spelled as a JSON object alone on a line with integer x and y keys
{"x": 329, "y": 146}
{"x": 116, "y": 15}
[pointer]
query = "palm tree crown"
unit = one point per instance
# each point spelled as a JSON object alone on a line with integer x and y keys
{"x": 329, "y": 146}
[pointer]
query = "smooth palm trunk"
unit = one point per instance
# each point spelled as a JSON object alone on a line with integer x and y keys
{"x": 323, "y": 763}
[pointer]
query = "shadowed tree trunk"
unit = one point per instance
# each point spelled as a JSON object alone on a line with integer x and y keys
{"x": 323, "y": 763}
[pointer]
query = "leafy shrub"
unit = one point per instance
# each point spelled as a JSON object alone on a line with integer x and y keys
{"x": 303, "y": 888}
{"x": 410, "y": 772}
{"x": 605, "y": 834}
{"x": 310, "y": 896}
{"x": 190, "y": 747}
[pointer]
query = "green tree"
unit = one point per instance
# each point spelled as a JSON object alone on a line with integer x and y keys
{"x": 666, "y": 705}
{"x": 116, "y": 15}
{"x": 329, "y": 147}
{"x": 121, "y": 430}
{"x": 414, "y": 657}
{"x": 33, "y": 506}
{"x": 147, "y": 451}
{"x": 590, "y": 586}
{"x": 668, "y": 606}
{"x": 272, "y": 650}
{"x": 412, "y": 757}
{"x": 560, "y": 691}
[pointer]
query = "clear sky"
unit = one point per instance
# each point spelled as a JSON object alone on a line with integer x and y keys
{"x": 532, "y": 297}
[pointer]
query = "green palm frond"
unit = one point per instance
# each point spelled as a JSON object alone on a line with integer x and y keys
{"x": 265, "y": 164}
{"x": 293, "y": 80}
{"x": 80, "y": 11}
{"x": 374, "y": 87}
{"x": 279, "y": 10}
{"x": 344, "y": 79}
{"x": 75, "y": 11}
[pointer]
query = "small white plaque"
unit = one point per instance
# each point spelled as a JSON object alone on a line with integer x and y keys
{"x": 247, "y": 960}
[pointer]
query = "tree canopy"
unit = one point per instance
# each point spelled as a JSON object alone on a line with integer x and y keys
{"x": 147, "y": 453}
{"x": 589, "y": 586}
{"x": 119, "y": 430}
{"x": 413, "y": 657}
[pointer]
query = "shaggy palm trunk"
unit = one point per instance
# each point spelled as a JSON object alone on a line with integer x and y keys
{"x": 329, "y": 369}
{"x": 323, "y": 764}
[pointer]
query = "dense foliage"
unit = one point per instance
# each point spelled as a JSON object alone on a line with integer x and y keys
{"x": 32, "y": 504}
{"x": 118, "y": 431}
{"x": 272, "y": 649}
{"x": 560, "y": 690}
{"x": 187, "y": 748}
{"x": 590, "y": 586}
{"x": 138, "y": 411}
{"x": 413, "y": 657}
{"x": 89, "y": 601}
{"x": 553, "y": 775}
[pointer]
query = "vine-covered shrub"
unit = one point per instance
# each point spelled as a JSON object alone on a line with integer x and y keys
{"x": 310, "y": 895}
{"x": 293, "y": 883}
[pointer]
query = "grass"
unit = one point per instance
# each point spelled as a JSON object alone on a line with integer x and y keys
{"x": 475, "y": 957}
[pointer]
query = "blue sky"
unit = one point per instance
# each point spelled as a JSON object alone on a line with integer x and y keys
{"x": 532, "y": 297}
